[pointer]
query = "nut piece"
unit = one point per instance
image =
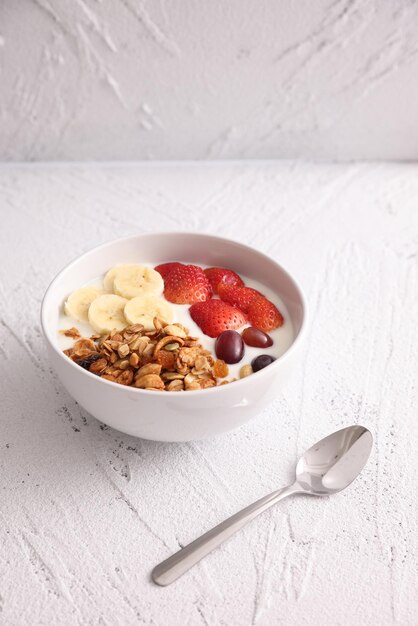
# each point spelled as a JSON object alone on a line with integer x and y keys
{"x": 193, "y": 386}
{"x": 149, "y": 368}
{"x": 172, "y": 376}
{"x": 84, "y": 343}
{"x": 125, "y": 378}
{"x": 191, "y": 383}
{"x": 206, "y": 383}
{"x": 189, "y": 355}
{"x": 98, "y": 366}
{"x": 148, "y": 353}
{"x": 134, "y": 328}
{"x": 72, "y": 332}
{"x": 159, "y": 323}
{"x": 172, "y": 346}
{"x": 123, "y": 350}
{"x": 134, "y": 360}
{"x": 139, "y": 343}
{"x": 175, "y": 385}
{"x": 112, "y": 344}
{"x": 176, "y": 331}
{"x": 149, "y": 381}
{"x": 113, "y": 357}
{"x": 116, "y": 336}
{"x": 168, "y": 339}
{"x": 245, "y": 370}
{"x": 191, "y": 341}
{"x": 202, "y": 364}
{"x": 123, "y": 365}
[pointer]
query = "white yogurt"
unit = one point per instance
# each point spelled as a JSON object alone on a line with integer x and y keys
{"x": 282, "y": 337}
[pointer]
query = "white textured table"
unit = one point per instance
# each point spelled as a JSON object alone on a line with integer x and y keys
{"x": 86, "y": 512}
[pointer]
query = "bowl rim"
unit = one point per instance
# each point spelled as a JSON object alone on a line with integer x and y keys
{"x": 194, "y": 392}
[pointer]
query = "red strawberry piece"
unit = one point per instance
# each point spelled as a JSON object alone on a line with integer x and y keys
{"x": 165, "y": 268}
{"x": 240, "y": 297}
{"x": 221, "y": 276}
{"x": 187, "y": 284}
{"x": 215, "y": 316}
{"x": 264, "y": 315}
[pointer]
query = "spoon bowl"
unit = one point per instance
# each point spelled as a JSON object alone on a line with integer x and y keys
{"x": 334, "y": 462}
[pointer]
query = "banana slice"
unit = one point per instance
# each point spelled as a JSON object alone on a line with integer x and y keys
{"x": 137, "y": 280}
{"x": 79, "y": 301}
{"x": 106, "y": 313}
{"x": 110, "y": 276}
{"x": 143, "y": 309}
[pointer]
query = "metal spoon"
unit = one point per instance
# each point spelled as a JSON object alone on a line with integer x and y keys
{"x": 326, "y": 468}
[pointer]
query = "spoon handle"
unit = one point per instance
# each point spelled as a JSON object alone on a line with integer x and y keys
{"x": 176, "y": 565}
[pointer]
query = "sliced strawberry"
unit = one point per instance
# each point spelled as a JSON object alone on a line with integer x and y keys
{"x": 221, "y": 276}
{"x": 215, "y": 316}
{"x": 240, "y": 297}
{"x": 264, "y": 315}
{"x": 187, "y": 284}
{"x": 165, "y": 268}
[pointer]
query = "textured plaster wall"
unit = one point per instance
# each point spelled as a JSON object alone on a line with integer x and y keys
{"x": 130, "y": 79}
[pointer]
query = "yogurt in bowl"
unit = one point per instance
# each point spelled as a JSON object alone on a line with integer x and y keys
{"x": 74, "y": 318}
{"x": 208, "y": 406}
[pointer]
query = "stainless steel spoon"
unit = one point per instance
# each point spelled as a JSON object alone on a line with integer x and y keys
{"x": 326, "y": 468}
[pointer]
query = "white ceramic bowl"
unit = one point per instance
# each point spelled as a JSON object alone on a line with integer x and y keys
{"x": 182, "y": 416}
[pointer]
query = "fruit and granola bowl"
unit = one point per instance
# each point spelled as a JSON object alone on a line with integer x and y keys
{"x": 173, "y": 336}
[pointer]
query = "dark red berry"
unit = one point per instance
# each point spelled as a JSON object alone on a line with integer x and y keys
{"x": 229, "y": 346}
{"x": 256, "y": 338}
{"x": 260, "y": 362}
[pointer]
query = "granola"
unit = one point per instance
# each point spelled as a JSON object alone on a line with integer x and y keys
{"x": 163, "y": 359}
{"x": 73, "y": 333}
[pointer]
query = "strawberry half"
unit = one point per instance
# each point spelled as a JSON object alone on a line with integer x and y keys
{"x": 165, "y": 268}
{"x": 264, "y": 315}
{"x": 221, "y": 276}
{"x": 187, "y": 284}
{"x": 215, "y": 316}
{"x": 240, "y": 297}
